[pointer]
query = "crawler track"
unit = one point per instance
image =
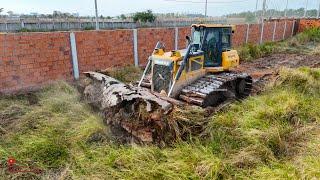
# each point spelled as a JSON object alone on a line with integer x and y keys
{"x": 213, "y": 89}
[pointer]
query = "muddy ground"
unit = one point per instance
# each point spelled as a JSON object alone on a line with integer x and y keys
{"x": 272, "y": 63}
{"x": 264, "y": 69}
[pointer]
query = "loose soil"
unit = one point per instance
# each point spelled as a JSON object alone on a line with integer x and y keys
{"x": 270, "y": 64}
{"x": 264, "y": 69}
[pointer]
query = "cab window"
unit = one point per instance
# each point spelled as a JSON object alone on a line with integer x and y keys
{"x": 226, "y": 38}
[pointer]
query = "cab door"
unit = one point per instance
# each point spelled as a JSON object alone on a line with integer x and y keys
{"x": 212, "y": 47}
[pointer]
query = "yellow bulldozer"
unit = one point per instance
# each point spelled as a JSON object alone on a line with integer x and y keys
{"x": 202, "y": 73}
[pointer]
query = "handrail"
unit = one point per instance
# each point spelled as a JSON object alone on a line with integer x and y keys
{"x": 182, "y": 66}
{"x": 158, "y": 45}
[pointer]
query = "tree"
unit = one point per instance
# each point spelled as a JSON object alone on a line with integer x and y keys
{"x": 1, "y": 10}
{"x": 56, "y": 14}
{"x": 10, "y": 13}
{"x": 144, "y": 17}
{"x": 250, "y": 18}
{"x": 123, "y": 17}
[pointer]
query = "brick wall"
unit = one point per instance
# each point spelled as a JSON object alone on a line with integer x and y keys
{"x": 268, "y": 31}
{"x": 279, "y": 31}
{"x": 290, "y": 26}
{"x": 148, "y": 38}
{"x": 308, "y": 23}
{"x": 183, "y": 32}
{"x": 254, "y": 34}
{"x": 239, "y": 36}
{"x": 102, "y": 49}
{"x": 30, "y": 60}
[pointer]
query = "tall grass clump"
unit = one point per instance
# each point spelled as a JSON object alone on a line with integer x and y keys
{"x": 295, "y": 44}
{"x": 260, "y": 136}
{"x": 309, "y": 35}
{"x": 250, "y": 52}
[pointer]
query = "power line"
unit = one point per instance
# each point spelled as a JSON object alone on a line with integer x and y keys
{"x": 203, "y": 2}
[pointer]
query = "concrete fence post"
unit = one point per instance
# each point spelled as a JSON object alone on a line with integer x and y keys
{"x": 284, "y": 30}
{"x": 176, "y": 35}
{"x": 293, "y": 26}
{"x": 247, "y": 33}
{"x": 274, "y": 30}
{"x": 39, "y": 25}
{"x": 74, "y": 56}
{"x": 262, "y": 31}
{"x": 22, "y": 24}
{"x": 135, "y": 47}
{"x": 6, "y": 27}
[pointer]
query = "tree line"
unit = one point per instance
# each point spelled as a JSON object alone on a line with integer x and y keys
{"x": 250, "y": 16}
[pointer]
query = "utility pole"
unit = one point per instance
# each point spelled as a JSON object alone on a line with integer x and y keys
{"x": 262, "y": 20}
{"x": 286, "y": 10}
{"x": 255, "y": 13}
{"x": 285, "y": 21}
{"x": 97, "y": 20}
{"x": 305, "y": 9}
{"x": 318, "y": 13}
{"x": 206, "y": 9}
{"x": 264, "y": 6}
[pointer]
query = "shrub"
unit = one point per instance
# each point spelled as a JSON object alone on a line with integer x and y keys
{"x": 255, "y": 51}
{"x": 88, "y": 28}
{"x": 244, "y": 53}
{"x": 267, "y": 48}
{"x": 144, "y": 17}
{"x": 313, "y": 34}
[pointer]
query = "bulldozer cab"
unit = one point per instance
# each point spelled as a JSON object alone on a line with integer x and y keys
{"x": 212, "y": 40}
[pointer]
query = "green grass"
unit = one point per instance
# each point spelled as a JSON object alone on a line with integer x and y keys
{"x": 250, "y": 52}
{"x": 273, "y": 135}
{"x": 306, "y": 42}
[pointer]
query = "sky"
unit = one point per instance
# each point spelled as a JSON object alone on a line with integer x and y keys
{"x": 117, "y": 7}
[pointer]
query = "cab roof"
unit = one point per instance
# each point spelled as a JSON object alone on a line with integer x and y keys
{"x": 212, "y": 25}
{"x": 215, "y": 26}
